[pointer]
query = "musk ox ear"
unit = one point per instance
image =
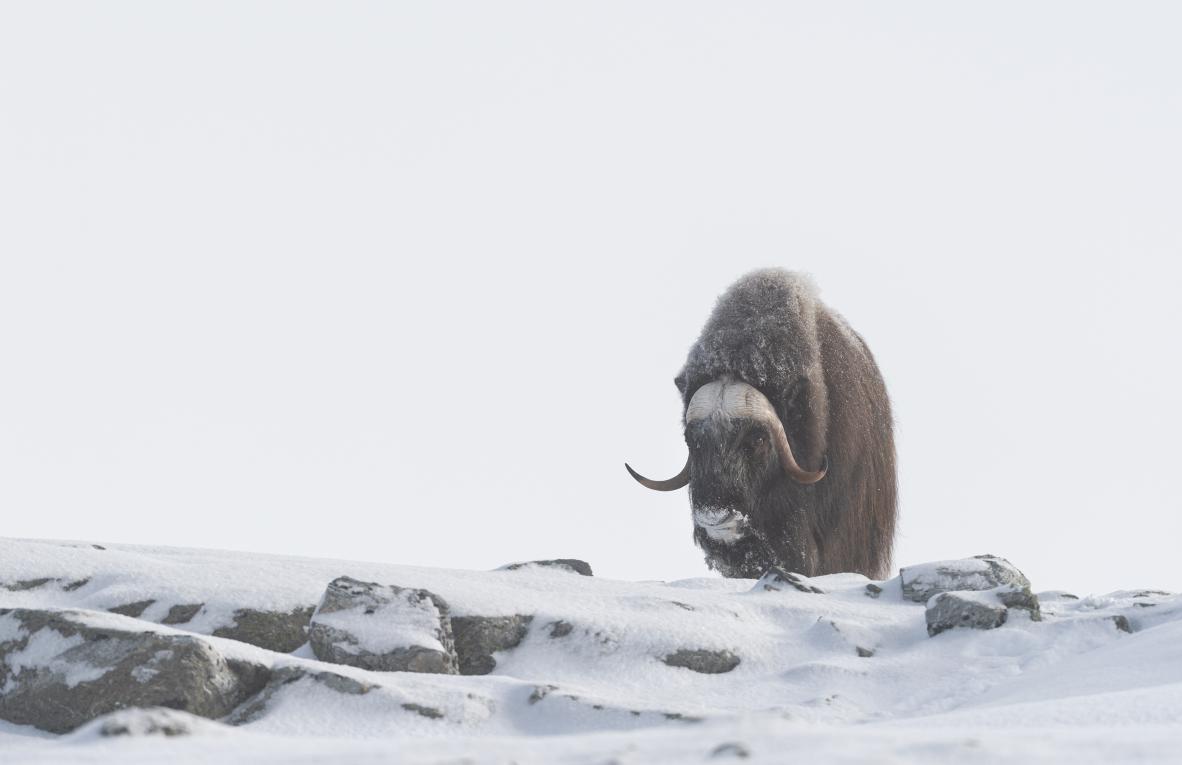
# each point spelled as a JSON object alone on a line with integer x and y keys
{"x": 804, "y": 410}
{"x": 679, "y": 381}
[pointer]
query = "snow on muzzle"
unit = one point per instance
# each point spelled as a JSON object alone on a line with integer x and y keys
{"x": 721, "y": 524}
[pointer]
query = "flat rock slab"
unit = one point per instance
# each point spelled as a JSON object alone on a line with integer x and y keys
{"x": 975, "y": 610}
{"x": 707, "y": 662}
{"x": 58, "y": 670}
{"x": 383, "y": 627}
{"x": 574, "y": 565}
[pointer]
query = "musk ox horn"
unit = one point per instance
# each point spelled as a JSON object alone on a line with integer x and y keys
{"x": 732, "y": 398}
{"x": 673, "y": 484}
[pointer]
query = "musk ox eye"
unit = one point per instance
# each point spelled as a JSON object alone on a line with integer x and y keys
{"x": 756, "y": 438}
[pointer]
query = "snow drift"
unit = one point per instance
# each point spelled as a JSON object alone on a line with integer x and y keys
{"x": 137, "y": 654}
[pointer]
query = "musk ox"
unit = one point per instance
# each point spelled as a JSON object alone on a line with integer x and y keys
{"x": 791, "y": 454}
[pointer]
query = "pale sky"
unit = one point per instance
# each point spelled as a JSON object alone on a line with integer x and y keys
{"x": 409, "y": 282}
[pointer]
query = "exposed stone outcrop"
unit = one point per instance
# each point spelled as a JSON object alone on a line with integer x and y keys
{"x": 383, "y": 627}
{"x": 60, "y": 669}
{"x": 281, "y": 631}
{"x": 574, "y": 565}
{"x": 477, "y": 638}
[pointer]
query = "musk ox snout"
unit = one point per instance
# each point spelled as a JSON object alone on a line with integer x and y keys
{"x": 722, "y": 524}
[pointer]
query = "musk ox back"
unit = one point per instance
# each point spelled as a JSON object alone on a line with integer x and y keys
{"x": 791, "y": 453}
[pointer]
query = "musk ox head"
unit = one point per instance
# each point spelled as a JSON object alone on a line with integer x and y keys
{"x": 791, "y": 454}
{"x": 739, "y": 459}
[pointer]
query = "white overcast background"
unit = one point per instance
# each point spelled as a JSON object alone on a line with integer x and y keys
{"x": 409, "y": 282}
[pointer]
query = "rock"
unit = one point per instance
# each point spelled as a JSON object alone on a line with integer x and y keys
{"x": 259, "y": 704}
{"x": 181, "y": 614}
{"x": 280, "y": 631}
{"x": 477, "y": 638}
{"x": 153, "y": 721}
{"x": 560, "y": 628}
{"x": 978, "y": 610}
{"x": 777, "y": 579}
{"x": 58, "y": 670}
{"x": 382, "y": 627}
{"x": 864, "y": 653}
{"x": 979, "y": 574}
{"x": 873, "y": 590}
{"x": 429, "y": 712}
{"x": 731, "y": 749}
{"x": 133, "y": 610}
{"x": 983, "y": 572}
{"x": 704, "y": 661}
{"x": 1122, "y": 623}
{"x": 540, "y": 692}
{"x": 581, "y": 567}
{"x": 28, "y": 584}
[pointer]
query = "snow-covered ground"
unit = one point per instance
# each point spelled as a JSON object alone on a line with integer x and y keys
{"x": 833, "y": 676}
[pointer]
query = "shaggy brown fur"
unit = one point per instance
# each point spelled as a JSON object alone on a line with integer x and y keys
{"x": 771, "y": 331}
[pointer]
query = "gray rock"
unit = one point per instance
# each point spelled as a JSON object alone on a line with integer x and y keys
{"x": 280, "y": 631}
{"x": 873, "y": 590}
{"x": 978, "y": 574}
{"x": 1122, "y": 623}
{"x": 978, "y": 610}
{"x": 383, "y": 627}
{"x": 540, "y": 692}
{"x": 864, "y": 653}
{"x": 704, "y": 661}
{"x": 133, "y": 610}
{"x": 777, "y": 579}
{"x": 560, "y": 628}
{"x": 731, "y": 749}
{"x": 581, "y": 567}
{"x": 153, "y": 721}
{"x": 982, "y": 572}
{"x": 28, "y": 584}
{"x": 180, "y": 614}
{"x": 59, "y": 672}
{"x": 477, "y": 638}
{"x": 429, "y": 712}
{"x": 259, "y": 704}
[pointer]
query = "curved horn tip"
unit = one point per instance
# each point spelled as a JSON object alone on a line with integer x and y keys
{"x": 817, "y": 476}
{"x": 676, "y": 482}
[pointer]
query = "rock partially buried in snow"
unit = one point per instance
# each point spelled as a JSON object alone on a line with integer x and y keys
{"x": 707, "y": 662}
{"x": 153, "y": 721}
{"x": 581, "y": 567}
{"x": 983, "y": 573}
{"x": 477, "y": 638}
{"x": 777, "y": 579}
{"x": 383, "y": 627}
{"x": 60, "y": 669}
{"x": 977, "y": 610}
{"x": 259, "y": 705}
{"x": 132, "y": 609}
{"x": 182, "y": 613}
{"x": 281, "y": 631}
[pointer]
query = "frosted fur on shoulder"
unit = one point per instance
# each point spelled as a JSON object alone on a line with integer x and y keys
{"x": 763, "y": 330}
